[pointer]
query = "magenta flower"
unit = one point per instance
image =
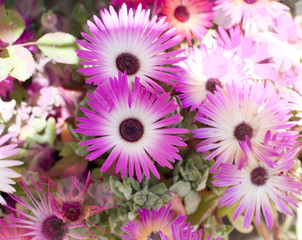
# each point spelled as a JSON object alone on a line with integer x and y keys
{"x": 181, "y": 233}
{"x": 255, "y": 54}
{"x": 131, "y": 3}
{"x": 6, "y": 86}
{"x": 129, "y": 122}
{"x": 254, "y": 15}
{"x": 9, "y": 229}
{"x": 7, "y": 151}
{"x": 43, "y": 223}
{"x": 130, "y": 42}
{"x": 156, "y": 224}
{"x": 249, "y": 116}
{"x": 71, "y": 206}
{"x": 256, "y": 186}
{"x": 189, "y": 17}
{"x": 205, "y": 70}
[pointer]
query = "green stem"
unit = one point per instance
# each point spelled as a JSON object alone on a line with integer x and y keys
{"x": 19, "y": 45}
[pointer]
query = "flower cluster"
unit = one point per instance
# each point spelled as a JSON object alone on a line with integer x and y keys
{"x": 150, "y": 113}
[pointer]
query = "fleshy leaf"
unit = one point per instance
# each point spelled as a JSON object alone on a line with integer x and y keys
{"x": 22, "y": 62}
{"x": 5, "y": 67}
{"x": 60, "y": 47}
{"x": 192, "y": 201}
{"x": 181, "y": 188}
{"x": 12, "y": 25}
{"x": 238, "y": 223}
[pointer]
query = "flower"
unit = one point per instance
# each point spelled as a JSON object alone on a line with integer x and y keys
{"x": 130, "y": 42}
{"x": 205, "y": 70}
{"x": 249, "y": 116}
{"x": 9, "y": 229}
{"x": 256, "y": 186}
{"x": 130, "y": 123}
{"x": 253, "y": 53}
{"x": 254, "y": 15}
{"x": 189, "y": 16}
{"x": 155, "y": 225}
{"x": 44, "y": 223}
{"x": 70, "y": 206}
{"x": 6, "y": 173}
{"x": 284, "y": 44}
{"x": 181, "y": 233}
{"x": 132, "y": 3}
{"x": 6, "y": 86}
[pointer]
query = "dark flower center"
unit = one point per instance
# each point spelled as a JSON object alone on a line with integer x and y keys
{"x": 181, "y": 13}
{"x": 54, "y": 228}
{"x": 127, "y": 62}
{"x": 72, "y": 210}
{"x": 259, "y": 176}
{"x": 212, "y": 83}
{"x": 131, "y": 130}
{"x": 243, "y": 129}
{"x": 154, "y": 236}
{"x": 250, "y": 1}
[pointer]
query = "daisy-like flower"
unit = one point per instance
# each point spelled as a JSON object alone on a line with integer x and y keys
{"x": 9, "y": 229}
{"x": 189, "y": 16}
{"x": 255, "y": 54}
{"x": 284, "y": 44}
{"x": 256, "y": 186}
{"x": 205, "y": 70}
{"x": 254, "y": 15}
{"x": 70, "y": 206}
{"x": 44, "y": 223}
{"x": 130, "y": 42}
{"x": 249, "y": 116}
{"x": 6, "y": 173}
{"x": 132, "y": 3}
{"x": 180, "y": 233}
{"x": 129, "y": 121}
{"x": 155, "y": 225}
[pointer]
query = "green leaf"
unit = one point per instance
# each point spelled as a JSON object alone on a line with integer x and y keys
{"x": 192, "y": 201}
{"x": 159, "y": 189}
{"x": 12, "y": 25}
{"x": 60, "y": 47}
{"x": 22, "y": 62}
{"x": 5, "y": 67}
{"x": 181, "y": 188}
{"x": 80, "y": 13}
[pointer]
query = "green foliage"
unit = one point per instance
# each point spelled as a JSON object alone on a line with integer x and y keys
{"x": 60, "y": 47}
{"x": 135, "y": 196}
{"x": 21, "y": 61}
{"x": 5, "y": 67}
{"x": 12, "y": 25}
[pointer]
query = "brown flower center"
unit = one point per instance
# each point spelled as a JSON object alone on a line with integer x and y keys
{"x": 259, "y": 176}
{"x": 54, "y": 228}
{"x": 212, "y": 83}
{"x": 250, "y": 1}
{"x": 241, "y": 130}
{"x": 154, "y": 236}
{"x": 131, "y": 130}
{"x": 127, "y": 62}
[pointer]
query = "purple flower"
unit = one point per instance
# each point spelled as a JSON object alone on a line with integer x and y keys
{"x": 129, "y": 123}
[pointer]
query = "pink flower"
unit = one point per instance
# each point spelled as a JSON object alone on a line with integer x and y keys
{"x": 257, "y": 186}
{"x": 128, "y": 41}
{"x": 247, "y": 117}
{"x": 253, "y": 15}
{"x": 129, "y": 122}
{"x": 188, "y": 17}
{"x": 206, "y": 70}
